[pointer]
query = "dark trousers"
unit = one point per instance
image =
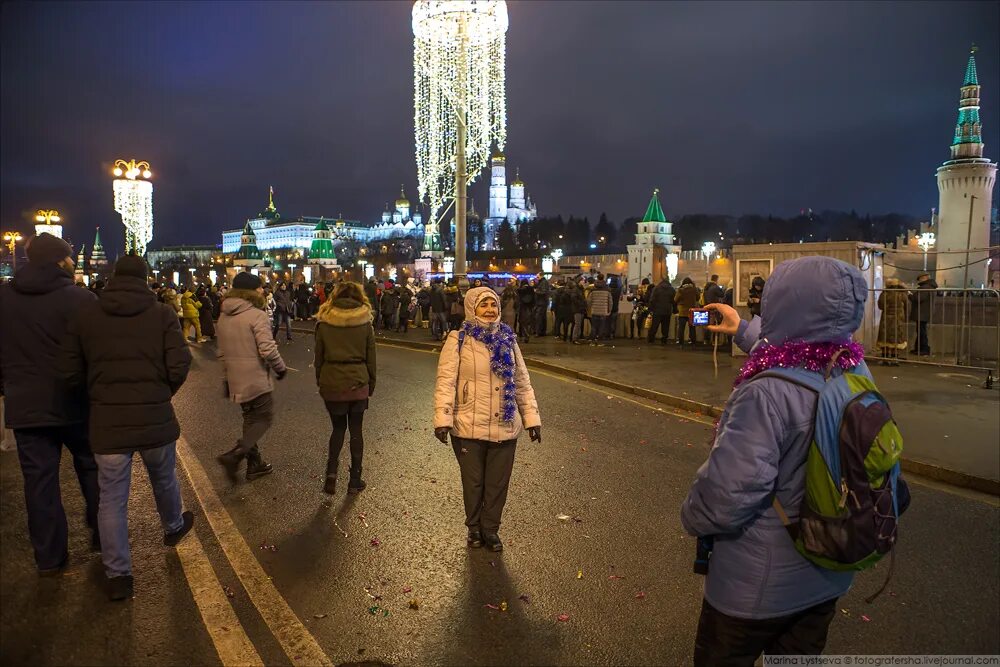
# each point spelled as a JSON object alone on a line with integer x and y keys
{"x": 564, "y": 327}
{"x": 39, "y": 451}
{"x": 685, "y": 322}
{"x": 525, "y": 324}
{"x": 661, "y": 322}
{"x": 341, "y": 423}
{"x": 279, "y": 317}
{"x": 486, "y": 468}
{"x": 597, "y": 325}
{"x": 640, "y": 320}
{"x": 726, "y": 641}
{"x": 439, "y": 324}
{"x": 541, "y": 319}
{"x": 922, "y": 346}
{"x": 258, "y": 413}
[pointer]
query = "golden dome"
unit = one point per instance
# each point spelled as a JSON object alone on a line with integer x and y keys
{"x": 402, "y": 202}
{"x": 517, "y": 178}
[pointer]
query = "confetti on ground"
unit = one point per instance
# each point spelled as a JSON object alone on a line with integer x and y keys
{"x": 564, "y": 517}
{"x": 579, "y": 574}
{"x": 616, "y": 577}
{"x": 228, "y": 591}
{"x": 503, "y": 605}
{"x": 319, "y": 615}
{"x": 845, "y": 612}
{"x": 642, "y": 442}
{"x": 492, "y": 606}
{"x": 376, "y": 542}
{"x": 414, "y": 604}
{"x": 465, "y": 450}
{"x": 892, "y": 594}
{"x": 407, "y": 589}
{"x": 264, "y": 546}
{"x": 342, "y": 531}
{"x": 640, "y": 595}
{"x": 364, "y": 519}
{"x": 524, "y": 598}
{"x": 565, "y": 617}
{"x": 493, "y": 563}
{"x": 865, "y": 618}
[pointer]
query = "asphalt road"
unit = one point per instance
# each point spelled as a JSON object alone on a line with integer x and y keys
{"x": 619, "y": 567}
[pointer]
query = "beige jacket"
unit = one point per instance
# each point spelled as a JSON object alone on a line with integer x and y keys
{"x": 246, "y": 346}
{"x": 467, "y": 395}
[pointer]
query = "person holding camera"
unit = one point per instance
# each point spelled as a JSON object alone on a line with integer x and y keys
{"x": 483, "y": 398}
{"x": 761, "y": 595}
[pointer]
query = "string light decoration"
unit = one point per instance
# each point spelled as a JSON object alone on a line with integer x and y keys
{"x": 134, "y": 202}
{"x": 459, "y": 93}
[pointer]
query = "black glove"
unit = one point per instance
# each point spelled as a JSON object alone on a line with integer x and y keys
{"x": 441, "y": 433}
{"x": 371, "y": 390}
{"x": 280, "y": 375}
{"x": 225, "y": 389}
{"x": 535, "y": 433}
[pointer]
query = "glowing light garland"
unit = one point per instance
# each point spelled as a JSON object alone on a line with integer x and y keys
{"x": 450, "y": 36}
{"x": 134, "y": 201}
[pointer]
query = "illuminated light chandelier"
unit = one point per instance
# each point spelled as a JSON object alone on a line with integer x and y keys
{"x": 459, "y": 102}
{"x": 134, "y": 201}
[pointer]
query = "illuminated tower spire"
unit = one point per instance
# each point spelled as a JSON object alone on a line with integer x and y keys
{"x": 968, "y": 142}
{"x": 98, "y": 260}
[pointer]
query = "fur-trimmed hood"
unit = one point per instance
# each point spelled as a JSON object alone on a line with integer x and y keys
{"x": 344, "y": 313}
{"x": 231, "y": 305}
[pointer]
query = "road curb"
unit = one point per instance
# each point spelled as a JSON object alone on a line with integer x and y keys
{"x": 931, "y": 471}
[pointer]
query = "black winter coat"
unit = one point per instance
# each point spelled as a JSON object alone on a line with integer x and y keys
{"x": 129, "y": 353}
{"x": 661, "y": 298}
{"x": 35, "y": 310}
{"x": 437, "y": 300}
{"x": 922, "y": 301}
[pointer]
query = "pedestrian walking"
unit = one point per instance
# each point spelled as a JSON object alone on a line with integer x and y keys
{"x": 525, "y": 310}
{"x": 205, "y": 313}
{"x": 405, "y": 296}
{"x": 390, "y": 306}
{"x": 509, "y": 304}
{"x": 345, "y": 373}
{"x": 611, "y": 324}
{"x": 761, "y": 594}
{"x": 579, "y": 301}
{"x": 562, "y": 307}
{"x": 483, "y": 398}
{"x": 302, "y": 295}
{"x": 191, "y": 312}
{"x": 894, "y": 302}
{"x": 626, "y": 312}
{"x": 423, "y": 316}
{"x": 456, "y": 308}
{"x": 128, "y": 354}
{"x": 754, "y": 295}
{"x": 45, "y": 414}
{"x": 686, "y": 299}
{"x": 641, "y": 299}
{"x": 282, "y": 311}
{"x": 249, "y": 355}
{"x": 713, "y": 292}
{"x": 921, "y": 308}
{"x": 439, "y": 311}
{"x": 661, "y": 306}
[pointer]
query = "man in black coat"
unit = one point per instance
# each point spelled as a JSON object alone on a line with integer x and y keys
{"x": 439, "y": 311}
{"x": 543, "y": 291}
{"x": 35, "y": 309}
{"x": 921, "y": 305}
{"x": 128, "y": 351}
{"x": 661, "y": 307}
{"x": 713, "y": 291}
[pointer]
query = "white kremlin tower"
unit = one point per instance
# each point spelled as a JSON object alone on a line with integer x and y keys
{"x": 505, "y": 204}
{"x": 965, "y": 183}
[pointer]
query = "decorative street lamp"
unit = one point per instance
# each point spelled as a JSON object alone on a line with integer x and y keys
{"x": 926, "y": 242}
{"x": 11, "y": 239}
{"x": 47, "y": 221}
{"x": 134, "y": 201}
{"x": 459, "y": 51}
{"x": 557, "y": 254}
{"x": 708, "y": 249}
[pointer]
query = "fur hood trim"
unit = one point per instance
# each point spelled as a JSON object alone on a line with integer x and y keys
{"x": 335, "y": 316}
{"x": 255, "y": 299}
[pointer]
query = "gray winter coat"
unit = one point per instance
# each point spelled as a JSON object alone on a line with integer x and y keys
{"x": 246, "y": 346}
{"x": 760, "y": 450}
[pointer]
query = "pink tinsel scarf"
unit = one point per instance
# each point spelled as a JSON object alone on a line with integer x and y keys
{"x": 811, "y": 356}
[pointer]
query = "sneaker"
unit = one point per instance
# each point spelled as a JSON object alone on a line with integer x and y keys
{"x": 203, "y": 340}
{"x": 256, "y": 466}
{"x": 231, "y": 462}
{"x": 171, "y": 539}
{"x": 120, "y": 588}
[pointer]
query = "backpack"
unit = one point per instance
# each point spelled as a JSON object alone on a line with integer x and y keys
{"x": 854, "y": 490}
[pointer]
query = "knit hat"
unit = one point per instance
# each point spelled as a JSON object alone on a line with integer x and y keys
{"x": 48, "y": 249}
{"x": 472, "y": 299}
{"x": 133, "y": 266}
{"x": 246, "y": 280}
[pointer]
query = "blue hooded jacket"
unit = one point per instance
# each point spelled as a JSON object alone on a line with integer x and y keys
{"x": 760, "y": 451}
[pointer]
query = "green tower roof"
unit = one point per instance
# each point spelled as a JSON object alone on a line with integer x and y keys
{"x": 971, "y": 78}
{"x": 654, "y": 212}
{"x": 321, "y": 227}
{"x": 248, "y": 249}
{"x": 97, "y": 239}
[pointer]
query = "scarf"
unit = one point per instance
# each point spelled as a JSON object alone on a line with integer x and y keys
{"x": 499, "y": 340}
{"x": 810, "y": 356}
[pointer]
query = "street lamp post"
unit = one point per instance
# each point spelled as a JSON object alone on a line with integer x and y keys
{"x": 926, "y": 241}
{"x": 48, "y": 221}
{"x": 11, "y": 239}
{"x": 708, "y": 249}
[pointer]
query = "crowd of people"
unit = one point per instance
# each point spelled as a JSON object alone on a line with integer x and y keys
{"x": 96, "y": 372}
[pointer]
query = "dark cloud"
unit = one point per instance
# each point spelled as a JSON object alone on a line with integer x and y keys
{"x": 727, "y": 107}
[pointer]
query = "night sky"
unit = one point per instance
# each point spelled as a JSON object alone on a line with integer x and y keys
{"x": 726, "y": 107}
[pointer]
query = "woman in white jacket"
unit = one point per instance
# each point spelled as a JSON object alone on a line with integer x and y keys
{"x": 483, "y": 398}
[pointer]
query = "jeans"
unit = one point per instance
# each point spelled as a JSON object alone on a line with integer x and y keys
{"x": 258, "y": 413}
{"x": 922, "y": 346}
{"x": 541, "y": 318}
{"x": 597, "y": 324}
{"x": 685, "y": 322}
{"x": 577, "y": 326}
{"x": 726, "y": 641}
{"x": 525, "y": 323}
{"x": 439, "y": 324}
{"x": 115, "y": 478}
{"x": 661, "y": 322}
{"x": 279, "y": 317}
{"x": 39, "y": 451}
{"x": 486, "y": 468}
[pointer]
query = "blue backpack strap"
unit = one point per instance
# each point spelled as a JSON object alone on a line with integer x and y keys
{"x": 461, "y": 339}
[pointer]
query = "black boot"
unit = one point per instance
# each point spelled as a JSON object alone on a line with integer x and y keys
{"x": 356, "y": 485}
{"x": 231, "y": 461}
{"x": 120, "y": 588}
{"x": 493, "y": 542}
{"x": 475, "y": 539}
{"x": 256, "y": 466}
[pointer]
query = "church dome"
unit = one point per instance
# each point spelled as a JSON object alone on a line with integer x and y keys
{"x": 402, "y": 202}
{"x": 517, "y": 179}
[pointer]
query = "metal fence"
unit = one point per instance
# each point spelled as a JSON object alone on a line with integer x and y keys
{"x": 952, "y": 327}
